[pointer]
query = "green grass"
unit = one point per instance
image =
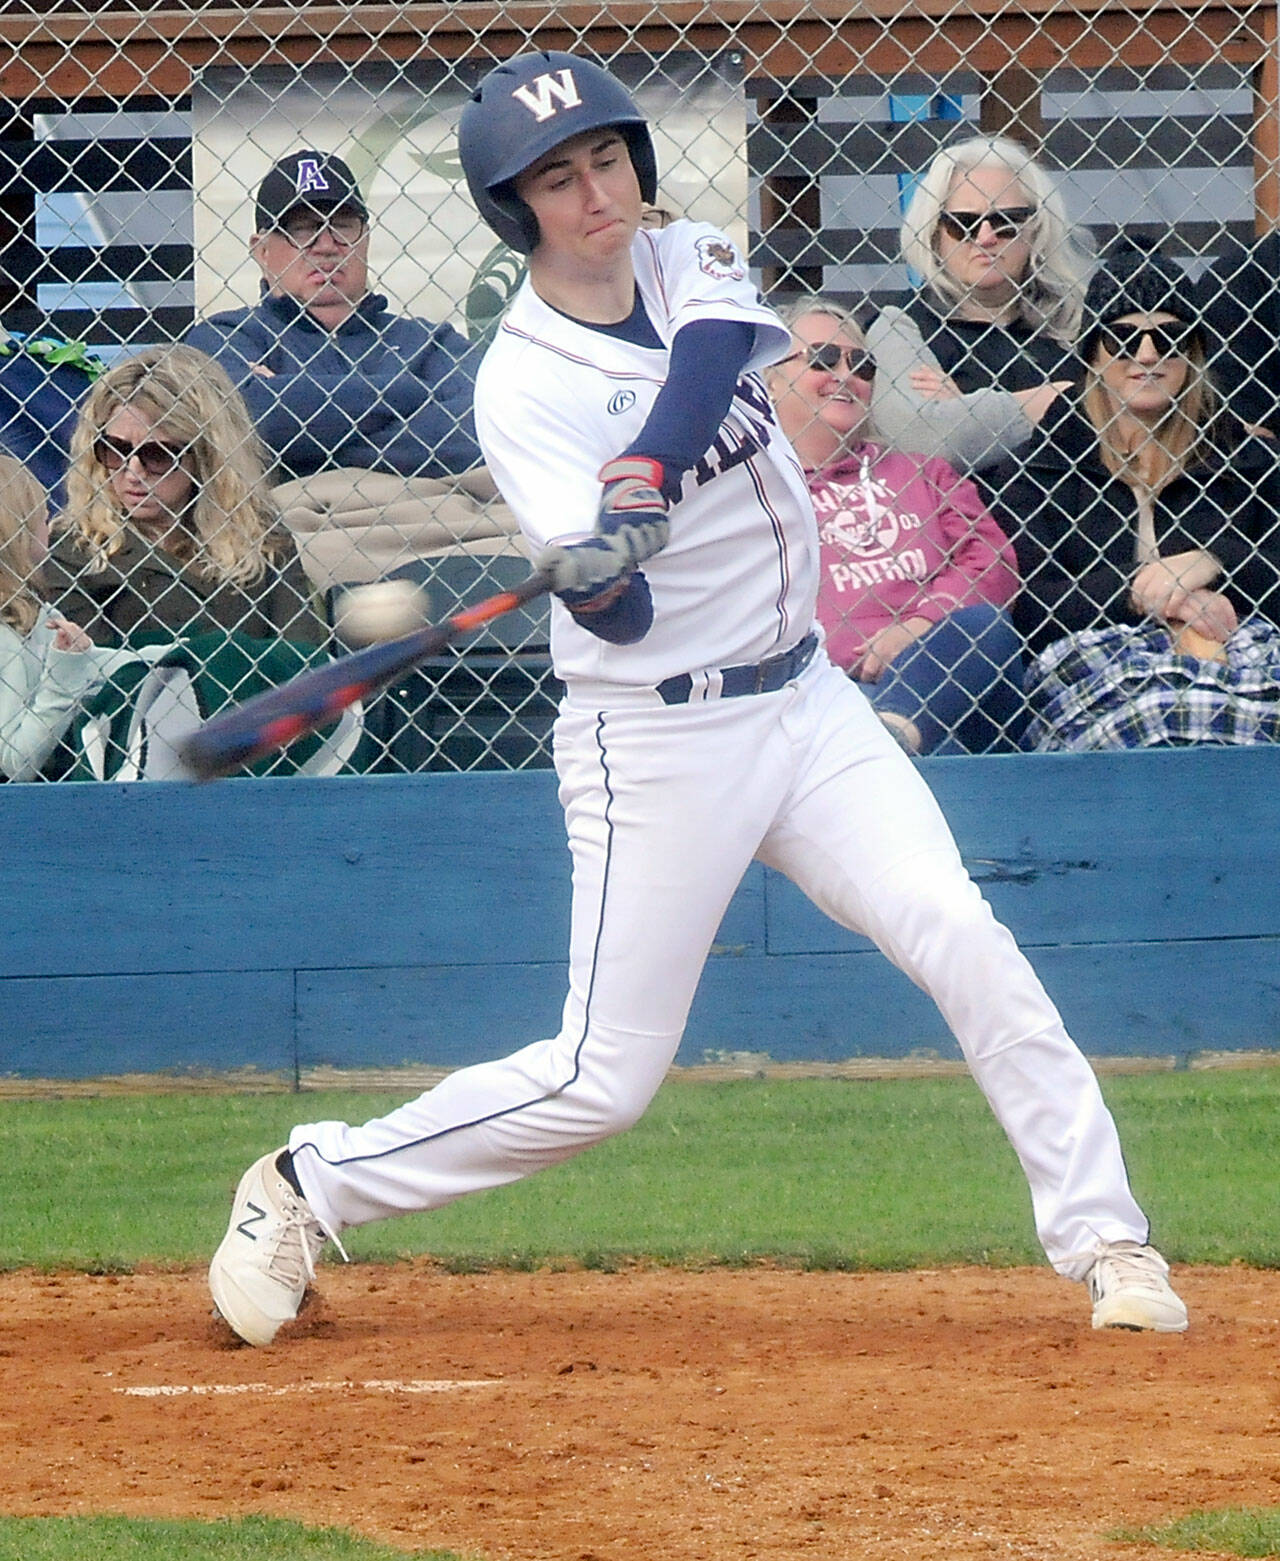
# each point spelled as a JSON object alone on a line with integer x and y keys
{"x": 814, "y": 1173}
{"x": 135, "y": 1539}
{"x": 1234, "y": 1531}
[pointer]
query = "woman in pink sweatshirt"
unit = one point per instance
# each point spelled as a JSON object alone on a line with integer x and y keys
{"x": 917, "y": 576}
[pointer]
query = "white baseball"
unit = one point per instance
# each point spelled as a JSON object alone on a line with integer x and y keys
{"x": 385, "y": 610}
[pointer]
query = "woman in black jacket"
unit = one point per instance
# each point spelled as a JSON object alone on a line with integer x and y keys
{"x": 1002, "y": 270}
{"x": 1144, "y": 521}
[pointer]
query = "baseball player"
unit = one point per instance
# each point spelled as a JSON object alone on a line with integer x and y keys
{"x": 622, "y": 412}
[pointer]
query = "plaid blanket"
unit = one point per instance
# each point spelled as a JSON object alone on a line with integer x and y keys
{"x": 1127, "y": 688}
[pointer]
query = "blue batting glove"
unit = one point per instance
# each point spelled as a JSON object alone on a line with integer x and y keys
{"x": 633, "y": 508}
{"x": 631, "y": 526}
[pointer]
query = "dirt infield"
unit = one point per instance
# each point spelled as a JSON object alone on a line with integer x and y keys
{"x": 655, "y": 1413}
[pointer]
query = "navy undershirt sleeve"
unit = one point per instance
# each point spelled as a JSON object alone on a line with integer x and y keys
{"x": 707, "y": 360}
{"x": 625, "y": 621}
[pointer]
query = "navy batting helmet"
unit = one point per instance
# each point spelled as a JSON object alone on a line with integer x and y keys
{"x": 524, "y": 109}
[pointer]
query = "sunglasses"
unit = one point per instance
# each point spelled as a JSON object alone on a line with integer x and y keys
{"x": 344, "y": 227}
{"x": 829, "y": 357}
{"x": 1170, "y": 341}
{"x": 1005, "y": 221}
{"x": 153, "y": 455}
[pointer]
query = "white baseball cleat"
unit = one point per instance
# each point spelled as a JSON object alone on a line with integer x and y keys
{"x": 1130, "y": 1288}
{"x": 260, "y": 1273}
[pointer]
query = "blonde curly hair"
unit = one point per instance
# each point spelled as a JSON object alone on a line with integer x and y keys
{"x": 1052, "y": 295}
{"x": 23, "y": 505}
{"x": 229, "y": 530}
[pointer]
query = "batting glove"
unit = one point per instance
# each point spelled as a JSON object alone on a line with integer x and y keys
{"x": 580, "y": 572}
{"x": 631, "y": 525}
{"x": 632, "y": 507}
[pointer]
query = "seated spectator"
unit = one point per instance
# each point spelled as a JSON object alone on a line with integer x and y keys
{"x": 1144, "y": 520}
{"x": 1240, "y": 302}
{"x": 1002, "y": 272}
{"x": 916, "y": 575}
{"x": 916, "y": 406}
{"x": 169, "y": 549}
{"x": 168, "y": 526}
{"x": 48, "y": 665}
{"x": 366, "y": 413}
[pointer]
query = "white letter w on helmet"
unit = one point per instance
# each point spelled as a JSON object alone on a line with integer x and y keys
{"x": 537, "y": 96}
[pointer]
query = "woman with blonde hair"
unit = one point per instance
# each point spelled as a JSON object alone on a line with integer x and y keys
{"x": 168, "y": 526}
{"x": 1143, "y": 518}
{"x": 1002, "y": 270}
{"x": 48, "y": 665}
{"x": 169, "y": 548}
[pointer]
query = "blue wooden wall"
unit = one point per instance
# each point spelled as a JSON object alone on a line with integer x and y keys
{"x": 356, "y": 922}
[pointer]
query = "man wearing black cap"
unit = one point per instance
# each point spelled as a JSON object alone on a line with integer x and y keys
{"x": 311, "y": 236}
{"x": 366, "y": 412}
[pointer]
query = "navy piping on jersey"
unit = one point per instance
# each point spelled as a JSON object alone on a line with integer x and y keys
{"x": 559, "y": 351}
{"x": 780, "y": 543}
{"x": 559, "y": 1089}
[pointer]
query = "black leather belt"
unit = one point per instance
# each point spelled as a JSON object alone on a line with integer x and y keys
{"x": 764, "y": 677}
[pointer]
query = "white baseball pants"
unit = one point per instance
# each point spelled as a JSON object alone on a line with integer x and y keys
{"x": 666, "y": 807}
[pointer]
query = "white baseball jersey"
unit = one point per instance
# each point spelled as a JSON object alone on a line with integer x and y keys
{"x": 555, "y": 400}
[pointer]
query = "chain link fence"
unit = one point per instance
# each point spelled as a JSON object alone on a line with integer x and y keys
{"x": 207, "y": 559}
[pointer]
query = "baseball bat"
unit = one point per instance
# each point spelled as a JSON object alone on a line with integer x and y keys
{"x": 281, "y": 715}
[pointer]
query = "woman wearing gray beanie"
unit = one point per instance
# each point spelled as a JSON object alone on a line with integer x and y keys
{"x": 1143, "y": 518}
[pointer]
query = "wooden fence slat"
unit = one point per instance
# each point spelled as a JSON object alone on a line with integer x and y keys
{"x": 86, "y": 1027}
{"x": 121, "y": 53}
{"x": 1118, "y": 1000}
{"x": 377, "y": 920}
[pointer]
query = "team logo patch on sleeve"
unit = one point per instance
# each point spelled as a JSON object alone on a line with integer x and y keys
{"x": 718, "y": 258}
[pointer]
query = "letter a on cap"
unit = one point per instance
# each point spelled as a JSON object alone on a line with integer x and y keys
{"x": 538, "y": 94}
{"x": 309, "y": 176}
